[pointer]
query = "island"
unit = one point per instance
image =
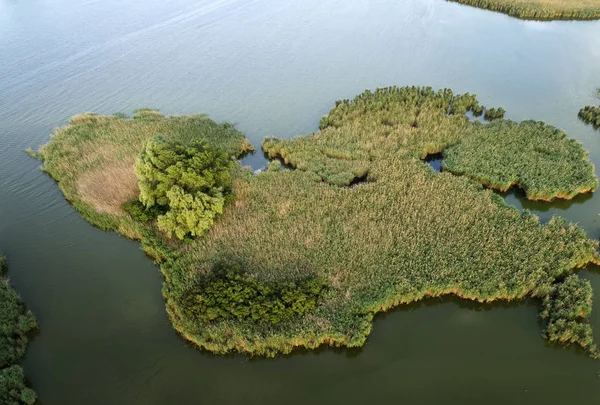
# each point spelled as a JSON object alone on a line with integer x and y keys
{"x": 346, "y": 222}
{"x": 541, "y": 9}
{"x": 15, "y": 324}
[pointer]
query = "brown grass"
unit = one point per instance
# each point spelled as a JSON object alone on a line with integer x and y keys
{"x": 107, "y": 189}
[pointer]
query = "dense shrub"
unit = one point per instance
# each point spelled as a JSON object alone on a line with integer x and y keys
{"x": 229, "y": 293}
{"x": 139, "y": 212}
{"x": 494, "y": 113}
{"x": 189, "y": 179}
{"x": 566, "y": 312}
{"x": 15, "y": 324}
{"x": 590, "y": 114}
{"x": 12, "y": 387}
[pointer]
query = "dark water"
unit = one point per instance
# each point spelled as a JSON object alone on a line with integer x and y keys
{"x": 273, "y": 68}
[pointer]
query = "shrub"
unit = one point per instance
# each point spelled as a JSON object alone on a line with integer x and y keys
{"x": 230, "y": 294}
{"x": 189, "y": 179}
{"x": 566, "y": 312}
{"x": 139, "y": 212}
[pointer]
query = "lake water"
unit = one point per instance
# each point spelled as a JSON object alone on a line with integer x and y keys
{"x": 273, "y": 68}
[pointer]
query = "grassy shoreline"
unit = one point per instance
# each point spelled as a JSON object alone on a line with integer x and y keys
{"x": 544, "y": 10}
{"x": 376, "y": 245}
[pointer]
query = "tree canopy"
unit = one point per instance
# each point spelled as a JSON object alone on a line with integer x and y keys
{"x": 190, "y": 180}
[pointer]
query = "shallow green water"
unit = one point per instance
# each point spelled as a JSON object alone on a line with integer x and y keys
{"x": 273, "y": 68}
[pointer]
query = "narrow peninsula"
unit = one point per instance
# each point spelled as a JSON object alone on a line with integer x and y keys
{"x": 541, "y": 9}
{"x": 345, "y": 223}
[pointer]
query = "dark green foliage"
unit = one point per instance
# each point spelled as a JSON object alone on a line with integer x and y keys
{"x": 493, "y": 113}
{"x": 139, "y": 212}
{"x": 230, "y": 294}
{"x": 189, "y": 179}
{"x": 540, "y": 9}
{"x": 15, "y": 323}
{"x": 566, "y": 312}
{"x": 591, "y": 115}
{"x": 12, "y": 387}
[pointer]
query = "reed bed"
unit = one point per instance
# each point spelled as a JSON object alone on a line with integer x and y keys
{"x": 15, "y": 323}
{"x": 534, "y": 156}
{"x": 591, "y": 115}
{"x": 407, "y": 233}
{"x": 541, "y": 9}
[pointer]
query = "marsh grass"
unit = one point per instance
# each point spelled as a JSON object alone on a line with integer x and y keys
{"x": 566, "y": 313}
{"x": 407, "y": 233}
{"x": 15, "y": 323}
{"x": 536, "y": 157}
{"x": 590, "y": 114}
{"x": 541, "y": 9}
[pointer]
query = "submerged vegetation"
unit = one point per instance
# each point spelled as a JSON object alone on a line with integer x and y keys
{"x": 541, "y": 9}
{"x": 15, "y": 324}
{"x": 300, "y": 258}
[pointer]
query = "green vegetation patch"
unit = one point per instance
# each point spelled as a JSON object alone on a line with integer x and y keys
{"x": 532, "y": 155}
{"x": 541, "y": 9}
{"x": 190, "y": 181}
{"x": 230, "y": 294}
{"x": 15, "y": 323}
{"x": 591, "y": 115}
{"x": 406, "y": 233}
{"x": 566, "y": 312}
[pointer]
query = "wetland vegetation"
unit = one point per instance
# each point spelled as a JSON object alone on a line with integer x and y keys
{"x": 591, "y": 114}
{"x": 298, "y": 258}
{"x": 15, "y": 324}
{"x": 541, "y": 9}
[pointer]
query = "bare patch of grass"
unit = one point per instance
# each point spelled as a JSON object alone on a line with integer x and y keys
{"x": 107, "y": 189}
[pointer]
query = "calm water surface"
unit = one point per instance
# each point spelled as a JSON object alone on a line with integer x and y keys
{"x": 273, "y": 68}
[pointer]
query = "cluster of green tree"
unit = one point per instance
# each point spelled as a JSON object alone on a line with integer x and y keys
{"x": 184, "y": 184}
{"x": 229, "y": 293}
{"x": 591, "y": 115}
{"x": 15, "y": 324}
{"x": 541, "y": 9}
{"x": 566, "y": 312}
{"x": 375, "y": 246}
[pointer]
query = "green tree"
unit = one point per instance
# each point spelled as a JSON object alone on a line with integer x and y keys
{"x": 188, "y": 180}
